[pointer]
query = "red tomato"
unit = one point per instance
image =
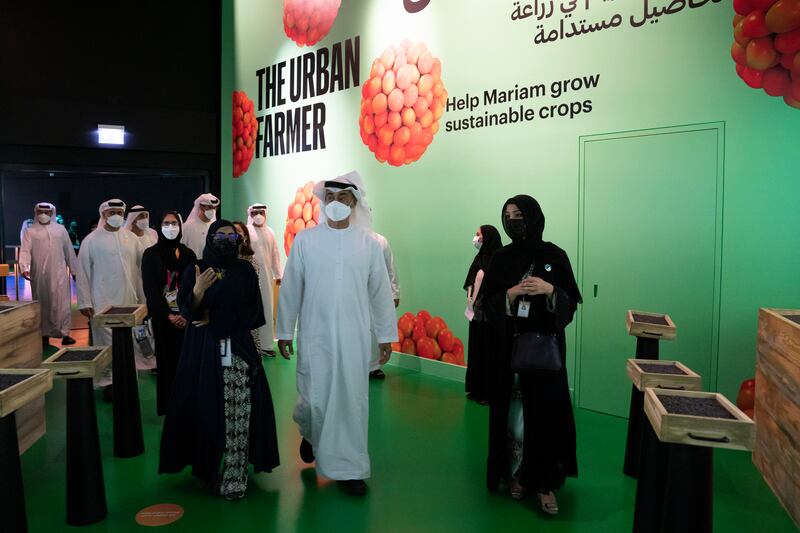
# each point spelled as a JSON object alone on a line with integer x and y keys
{"x": 424, "y": 315}
{"x": 408, "y": 347}
{"x": 434, "y": 326}
{"x": 425, "y": 348}
{"x": 446, "y": 340}
{"x": 448, "y": 357}
{"x": 746, "y": 399}
{"x": 419, "y": 333}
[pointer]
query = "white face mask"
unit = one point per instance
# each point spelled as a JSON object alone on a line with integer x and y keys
{"x": 259, "y": 220}
{"x": 143, "y": 223}
{"x": 477, "y": 242}
{"x": 210, "y": 213}
{"x": 337, "y": 211}
{"x": 115, "y": 221}
{"x": 170, "y": 232}
{"x": 44, "y": 219}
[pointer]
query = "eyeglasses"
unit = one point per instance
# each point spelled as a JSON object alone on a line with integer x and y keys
{"x": 230, "y": 237}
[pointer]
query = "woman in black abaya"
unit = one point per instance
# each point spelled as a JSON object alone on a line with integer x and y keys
{"x": 162, "y": 266}
{"x": 220, "y": 416}
{"x": 479, "y": 346}
{"x": 530, "y": 269}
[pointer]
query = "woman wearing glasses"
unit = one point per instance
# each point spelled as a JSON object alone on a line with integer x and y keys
{"x": 220, "y": 418}
{"x": 162, "y": 267}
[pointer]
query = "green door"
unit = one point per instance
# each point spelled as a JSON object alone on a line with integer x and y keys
{"x": 650, "y": 232}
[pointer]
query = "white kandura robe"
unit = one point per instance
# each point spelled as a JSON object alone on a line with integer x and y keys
{"x": 46, "y": 253}
{"x": 263, "y": 243}
{"x": 194, "y": 235}
{"x": 148, "y": 238}
{"x": 109, "y": 274}
{"x": 374, "y": 362}
{"x": 335, "y": 288}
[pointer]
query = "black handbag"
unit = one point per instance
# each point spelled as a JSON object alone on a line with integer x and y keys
{"x": 535, "y": 351}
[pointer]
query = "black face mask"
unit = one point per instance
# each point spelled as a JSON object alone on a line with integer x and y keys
{"x": 226, "y": 249}
{"x": 516, "y": 229}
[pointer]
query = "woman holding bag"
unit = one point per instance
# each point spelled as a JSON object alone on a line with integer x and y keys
{"x": 530, "y": 295}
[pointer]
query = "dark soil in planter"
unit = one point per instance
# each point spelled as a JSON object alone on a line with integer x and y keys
{"x": 683, "y": 405}
{"x": 647, "y": 319}
{"x": 661, "y": 369}
{"x": 793, "y": 318}
{"x": 9, "y": 380}
{"x": 121, "y": 311}
{"x": 78, "y": 355}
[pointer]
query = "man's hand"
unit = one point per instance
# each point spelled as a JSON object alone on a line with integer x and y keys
{"x": 386, "y": 352}
{"x": 88, "y": 312}
{"x": 26, "y": 275}
{"x": 286, "y": 348}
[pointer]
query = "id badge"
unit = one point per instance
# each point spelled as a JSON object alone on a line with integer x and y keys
{"x": 225, "y": 352}
{"x": 524, "y": 309}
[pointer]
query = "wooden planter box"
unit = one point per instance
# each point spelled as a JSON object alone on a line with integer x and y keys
{"x": 735, "y": 433}
{"x": 777, "y": 448}
{"x": 83, "y": 367}
{"x": 21, "y": 347}
{"x": 642, "y": 379}
{"x": 121, "y": 316}
{"x": 4, "y": 271}
{"x": 38, "y": 382}
{"x": 650, "y": 325}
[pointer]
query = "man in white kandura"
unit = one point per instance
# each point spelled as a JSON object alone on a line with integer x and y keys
{"x": 138, "y": 222}
{"x": 109, "y": 269}
{"x": 45, "y": 254}
{"x": 263, "y": 243}
{"x": 375, "y": 371}
{"x": 335, "y": 289}
{"x": 197, "y": 223}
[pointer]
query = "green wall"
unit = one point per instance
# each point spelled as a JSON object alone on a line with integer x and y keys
{"x": 674, "y": 72}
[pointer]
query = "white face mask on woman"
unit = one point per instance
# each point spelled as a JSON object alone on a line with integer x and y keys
{"x": 477, "y": 242}
{"x": 337, "y": 211}
{"x": 170, "y": 232}
{"x": 115, "y": 221}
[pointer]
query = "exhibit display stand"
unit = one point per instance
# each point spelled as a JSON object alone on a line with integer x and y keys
{"x": 18, "y": 387}
{"x": 777, "y": 406}
{"x": 86, "y": 494}
{"x": 649, "y": 329}
{"x": 675, "y": 488}
{"x": 128, "y": 438}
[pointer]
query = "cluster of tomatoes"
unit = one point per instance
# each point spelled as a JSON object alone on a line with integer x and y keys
{"x": 428, "y": 337}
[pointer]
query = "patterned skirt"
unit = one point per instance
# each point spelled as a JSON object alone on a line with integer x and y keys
{"x": 237, "y": 428}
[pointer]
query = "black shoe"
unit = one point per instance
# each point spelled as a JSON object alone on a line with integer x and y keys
{"x": 377, "y": 374}
{"x": 354, "y": 487}
{"x": 108, "y": 394}
{"x": 233, "y": 496}
{"x": 306, "y": 452}
{"x": 67, "y": 340}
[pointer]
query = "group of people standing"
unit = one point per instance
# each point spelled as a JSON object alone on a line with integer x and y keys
{"x": 208, "y": 287}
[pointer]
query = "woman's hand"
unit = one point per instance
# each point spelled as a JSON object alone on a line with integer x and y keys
{"x": 534, "y": 286}
{"x": 177, "y": 320}
{"x": 203, "y": 321}
{"x": 203, "y": 281}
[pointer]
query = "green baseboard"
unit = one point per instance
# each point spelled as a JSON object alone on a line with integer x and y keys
{"x": 429, "y": 367}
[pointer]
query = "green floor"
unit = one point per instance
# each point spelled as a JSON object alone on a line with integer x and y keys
{"x": 427, "y": 447}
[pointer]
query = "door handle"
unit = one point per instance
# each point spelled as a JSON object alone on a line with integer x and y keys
{"x": 595, "y": 290}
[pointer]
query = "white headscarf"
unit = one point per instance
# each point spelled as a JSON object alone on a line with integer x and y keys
{"x": 361, "y": 215}
{"x": 135, "y": 211}
{"x": 203, "y": 199}
{"x": 44, "y": 205}
{"x": 256, "y": 207}
{"x": 113, "y": 203}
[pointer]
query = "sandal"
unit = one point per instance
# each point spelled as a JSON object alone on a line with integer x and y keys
{"x": 550, "y": 507}
{"x": 518, "y": 492}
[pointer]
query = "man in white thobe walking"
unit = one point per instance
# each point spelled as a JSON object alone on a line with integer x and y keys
{"x": 336, "y": 289}
{"x": 44, "y": 256}
{"x": 263, "y": 243}
{"x": 197, "y": 223}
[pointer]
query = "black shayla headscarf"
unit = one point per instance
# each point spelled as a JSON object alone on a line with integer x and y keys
{"x": 166, "y": 248}
{"x": 532, "y": 248}
{"x": 491, "y": 243}
{"x": 211, "y": 255}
